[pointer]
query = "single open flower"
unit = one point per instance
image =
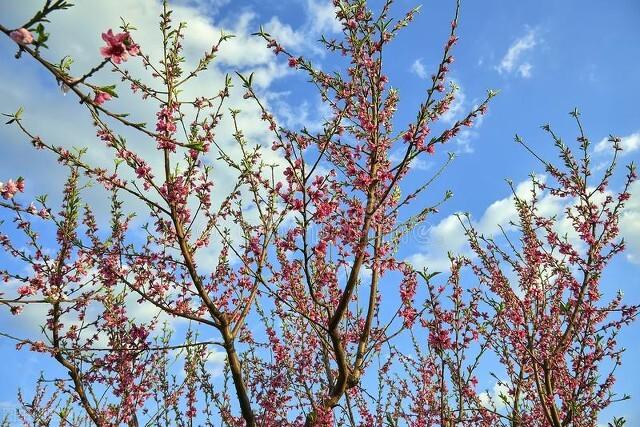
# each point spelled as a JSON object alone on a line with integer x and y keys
{"x": 119, "y": 46}
{"x": 21, "y": 36}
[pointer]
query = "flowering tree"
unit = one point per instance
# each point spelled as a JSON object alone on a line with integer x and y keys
{"x": 556, "y": 335}
{"x": 320, "y": 322}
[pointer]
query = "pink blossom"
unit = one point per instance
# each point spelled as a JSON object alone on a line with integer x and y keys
{"x": 25, "y": 291}
{"x": 119, "y": 46}
{"x": 440, "y": 340}
{"x": 9, "y": 190}
{"x": 143, "y": 171}
{"x": 38, "y": 346}
{"x": 101, "y": 97}
{"x": 21, "y": 36}
{"x": 314, "y": 225}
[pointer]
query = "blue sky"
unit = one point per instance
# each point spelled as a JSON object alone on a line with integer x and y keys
{"x": 545, "y": 58}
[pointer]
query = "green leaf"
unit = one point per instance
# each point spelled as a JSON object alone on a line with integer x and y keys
{"x": 428, "y": 276}
{"x": 195, "y": 146}
{"x": 15, "y": 116}
{"x": 65, "y": 63}
{"x": 42, "y": 36}
{"x": 111, "y": 90}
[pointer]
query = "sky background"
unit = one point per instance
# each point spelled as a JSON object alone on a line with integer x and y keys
{"x": 545, "y": 58}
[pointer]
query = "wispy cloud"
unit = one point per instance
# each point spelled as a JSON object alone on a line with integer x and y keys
{"x": 448, "y": 235}
{"x": 418, "y": 68}
{"x": 322, "y": 16}
{"x": 320, "y": 19}
{"x": 630, "y": 224}
{"x": 525, "y": 70}
{"x": 629, "y": 144}
{"x": 515, "y": 60}
{"x": 464, "y": 139}
{"x": 497, "y": 399}
{"x": 456, "y": 108}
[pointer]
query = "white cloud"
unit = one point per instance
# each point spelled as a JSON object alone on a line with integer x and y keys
{"x": 320, "y": 20}
{"x": 467, "y": 135}
{"x": 448, "y": 235}
{"x": 496, "y": 399}
{"x": 216, "y": 360}
{"x": 24, "y": 85}
{"x": 322, "y": 16}
{"x": 512, "y": 61}
{"x": 630, "y": 224}
{"x": 463, "y": 141}
{"x": 525, "y": 70}
{"x": 456, "y": 108}
{"x": 418, "y": 68}
{"x": 61, "y": 120}
{"x": 629, "y": 144}
{"x": 48, "y": 113}
{"x": 455, "y": 112}
{"x": 284, "y": 33}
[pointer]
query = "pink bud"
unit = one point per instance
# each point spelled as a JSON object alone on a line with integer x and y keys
{"x": 21, "y": 36}
{"x": 101, "y": 97}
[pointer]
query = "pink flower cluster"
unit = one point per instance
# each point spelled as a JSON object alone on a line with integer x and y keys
{"x": 119, "y": 46}
{"x": 101, "y": 97}
{"x": 11, "y": 188}
{"x": 166, "y": 126}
